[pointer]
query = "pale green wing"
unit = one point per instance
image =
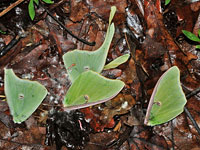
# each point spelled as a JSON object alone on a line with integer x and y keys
{"x": 167, "y": 100}
{"x": 90, "y": 88}
{"x": 80, "y": 60}
{"x": 118, "y": 61}
{"x": 23, "y": 96}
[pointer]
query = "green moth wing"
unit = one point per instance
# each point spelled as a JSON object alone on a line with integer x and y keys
{"x": 118, "y": 61}
{"x": 82, "y": 60}
{"x": 167, "y": 100}
{"x": 90, "y": 88}
{"x": 23, "y": 96}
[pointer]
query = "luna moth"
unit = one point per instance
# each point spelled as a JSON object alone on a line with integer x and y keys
{"x": 91, "y": 88}
{"x": 167, "y": 100}
{"x": 23, "y": 96}
{"x": 83, "y": 60}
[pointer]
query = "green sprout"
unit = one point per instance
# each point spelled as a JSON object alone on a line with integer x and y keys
{"x": 192, "y": 37}
{"x": 31, "y": 8}
{"x": 2, "y": 32}
{"x": 167, "y": 2}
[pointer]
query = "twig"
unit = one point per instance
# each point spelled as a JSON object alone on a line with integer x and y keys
{"x": 122, "y": 138}
{"x": 194, "y": 92}
{"x": 132, "y": 51}
{"x": 67, "y": 30}
{"x": 12, "y": 43}
{"x": 187, "y": 111}
{"x": 192, "y": 119}
{"x": 172, "y": 134}
{"x": 172, "y": 141}
{"x": 136, "y": 144}
{"x": 10, "y": 7}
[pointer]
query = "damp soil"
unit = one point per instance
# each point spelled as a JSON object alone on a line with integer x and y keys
{"x": 148, "y": 30}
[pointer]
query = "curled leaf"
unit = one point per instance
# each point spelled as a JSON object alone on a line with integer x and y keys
{"x": 118, "y": 61}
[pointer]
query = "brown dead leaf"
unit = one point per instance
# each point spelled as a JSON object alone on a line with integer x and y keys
{"x": 102, "y": 8}
{"x": 9, "y": 56}
{"x": 31, "y": 61}
{"x": 121, "y": 104}
{"x": 78, "y": 10}
{"x": 100, "y": 141}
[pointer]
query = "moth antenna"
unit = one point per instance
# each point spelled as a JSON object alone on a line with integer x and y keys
{"x": 70, "y": 67}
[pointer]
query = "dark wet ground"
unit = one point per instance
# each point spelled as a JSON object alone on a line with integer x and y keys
{"x": 150, "y": 32}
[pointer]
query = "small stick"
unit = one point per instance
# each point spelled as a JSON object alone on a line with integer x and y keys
{"x": 187, "y": 111}
{"x": 172, "y": 134}
{"x": 192, "y": 93}
{"x": 10, "y": 45}
{"x": 67, "y": 30}
{"x": 5, "y": 11}
{"x": 192, "y": 119}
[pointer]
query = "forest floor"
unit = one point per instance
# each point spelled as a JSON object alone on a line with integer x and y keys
{"x": 150, "y": 31}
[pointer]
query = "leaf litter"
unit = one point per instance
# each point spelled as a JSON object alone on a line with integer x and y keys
{"x": 152, "y": 34}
